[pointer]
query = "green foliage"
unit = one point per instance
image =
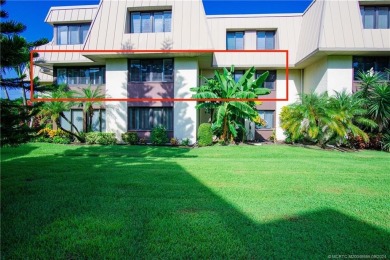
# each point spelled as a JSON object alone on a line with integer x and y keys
{"x": 61, "y": 140}
{"x": 130, "y": 137}
{"x": 100, "y": 138}
{"x": 386, "y": 142}
{"x": 159, "y": 136}
{"x": 205, "y": 135}
{"x": 14, "y": 124}
{"x": 92, "y": 95}
{"x": 231, "y": 113}
{"x": 318, "y": 118}
{"x": 376, "y": 96}
{"x": 185, "y": 142}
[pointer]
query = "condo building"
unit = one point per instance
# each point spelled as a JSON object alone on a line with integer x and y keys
{"x": 327, "y": 45}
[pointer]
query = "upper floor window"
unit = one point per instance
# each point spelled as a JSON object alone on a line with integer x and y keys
{"x": 375, "y": 17}
{"x": 148, "y": 22}
{"x": 270, "y": 81}
{"x": 81, "y": 75}
{"x": 158, "y": 70}
{"x": 68, "y": 34}
{"x": 235, "y": 40}
{"x": 265, "y": 40}
{"x": 377, "y": 64}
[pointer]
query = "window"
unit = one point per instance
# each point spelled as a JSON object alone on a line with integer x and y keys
{"x": 378, "y": 64}
{"x": 148, "y": 22}
{"x": 81, "y": 75}
{"x": 99, "y": 120}
{"x": 265, "y": 40}
{"x": 158, "y": 70}
{"x": 235, "y": 40}
{"x": 375, "y": 17}
{"x": 268, "y": 116}
{"x": 76, "y": 117}
{"x": 146, "y": 118}
{"x": 71, "y": 33}
{"x": 270, "y": 81}
{"x": 238, "y": 74}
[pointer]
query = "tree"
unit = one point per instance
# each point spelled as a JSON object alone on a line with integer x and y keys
{"x": 321, "y": 119}
{"x": 93, "y": 94}
{"x": 376, "y": 95}
{"x": 230, "y": 114}
{"x": 15, "y": 51}
{"x": 55, "y": 110}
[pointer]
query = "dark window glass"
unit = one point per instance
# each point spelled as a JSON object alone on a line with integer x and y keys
{"x": 270, "y": 82}
{"x": 148, "y": 22}
{"x": 235, "y": 40}
{"x": 158, "y": 70}
{"x": 365, "y": 64}
{"x": 146, "y": 118}
{"x": 266, "y": 40}
{"x": 375, "y": 17}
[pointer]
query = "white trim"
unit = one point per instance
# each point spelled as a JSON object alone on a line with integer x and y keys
{"x": 252, "y": 15}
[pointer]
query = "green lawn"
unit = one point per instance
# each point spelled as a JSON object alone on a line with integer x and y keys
{"x": 64, "y": 201}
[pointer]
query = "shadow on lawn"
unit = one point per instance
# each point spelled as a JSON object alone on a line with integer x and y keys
{"x": 145, "y": 207}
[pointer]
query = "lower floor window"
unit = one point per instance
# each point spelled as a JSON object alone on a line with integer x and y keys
{"x": 77, "y": 119}
{"x": 268, "y": 116}
{"x": 146, "y": 118}
{"x": 99, "y": 120}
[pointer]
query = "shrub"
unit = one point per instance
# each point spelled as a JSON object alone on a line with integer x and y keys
{"x": 159, "y": 136}
{"x": 205, "y": 135}
{"x": 142, "y": 140}
{"x": 42, "y": 139}
{"x": 61, "y": 140}
{"x": 174, "y": 141}
{"x": 100, "y": 138}
{"x": 185, "y": 142}
{"x": 130, "y": 137}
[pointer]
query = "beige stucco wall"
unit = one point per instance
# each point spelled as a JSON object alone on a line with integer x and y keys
{"x": 116, "y": 87}
{"x": 184, "y": 113}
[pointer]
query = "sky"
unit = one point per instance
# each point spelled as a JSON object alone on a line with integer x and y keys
{"x": 32, "y": 13}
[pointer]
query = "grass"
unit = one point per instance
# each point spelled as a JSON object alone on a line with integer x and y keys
{"x": 64, "y": 201}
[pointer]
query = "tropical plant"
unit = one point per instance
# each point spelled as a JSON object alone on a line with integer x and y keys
{"x": 55, "y": 109}
{"x": 92, "y": 95}
{"x": 321, "y": 119}
{"x": 15, "y": 50}
{"x": 376, "y": 94}
{"x": 205, "y": 135}
{"x": 230, "y": 111}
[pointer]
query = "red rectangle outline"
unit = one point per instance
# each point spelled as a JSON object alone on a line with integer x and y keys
{"x": 153, "y": 99}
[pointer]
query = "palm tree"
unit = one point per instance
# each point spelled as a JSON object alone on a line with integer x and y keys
{"x": 349, "y": 113}
{"x": 229, "y": 112}
{"x": 308, "y": 118}
{"x": 323, "y": 119}
{"x": 93, "y": 95}
{"x": 55, "y": 110}
{"x": 378, "y": 105}
{"x": 377, "y": 98}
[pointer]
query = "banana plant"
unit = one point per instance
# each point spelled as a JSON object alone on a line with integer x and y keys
{"x": 231, "y": 105}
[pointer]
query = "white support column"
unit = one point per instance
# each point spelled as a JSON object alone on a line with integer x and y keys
{"x": 116, "y": 87}
{"x": 184, "y": 113}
